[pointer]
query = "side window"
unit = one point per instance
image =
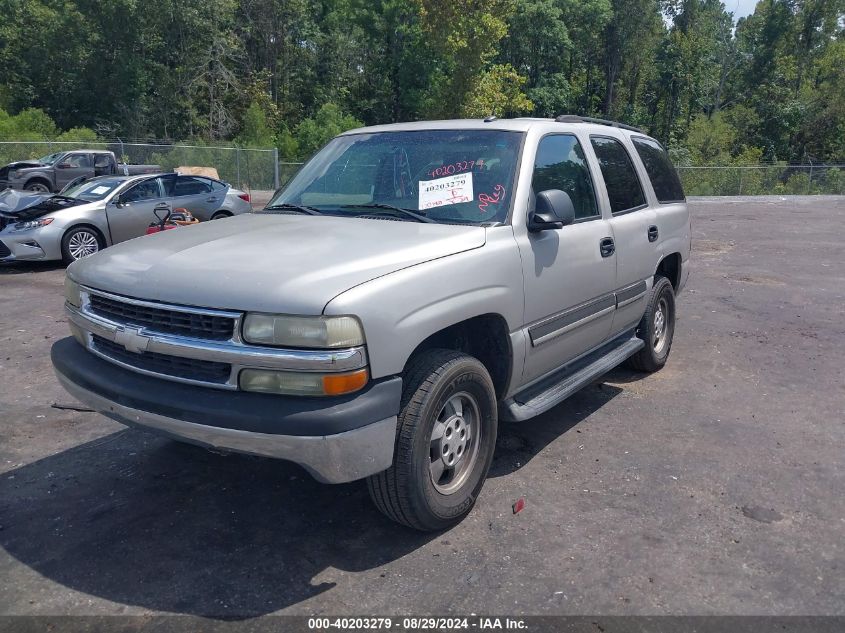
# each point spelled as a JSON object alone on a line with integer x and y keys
{"x": 146, "y": 190}
{"x": 217, "y": 185}
{"x": 190, "y": 186}
{"x": 623, "y": 186}
{"x": 661, "y": 172}
{"x": 102, "y": 160}
{"x": 79, "y": 160}
{"x": 560, "y": 164}
{"x": 168, "y": 181}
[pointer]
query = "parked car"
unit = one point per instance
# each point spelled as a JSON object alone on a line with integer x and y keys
{"x": 53, "y": 172}
{"x": 412, "y": 286}
{"x": 99, "y": 212}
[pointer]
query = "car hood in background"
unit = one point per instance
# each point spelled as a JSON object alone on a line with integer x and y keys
{"x": 24, "y": 164}
{"x": 42, "y": 205}
{"x": 268, "y": 263}
{"x": 12, "y": 200}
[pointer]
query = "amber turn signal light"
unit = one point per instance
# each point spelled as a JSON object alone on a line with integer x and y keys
{"x": 338, "y": 384}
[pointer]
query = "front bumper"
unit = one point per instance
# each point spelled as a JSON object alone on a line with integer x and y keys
{"x": 336, "y": 439}
{"x": 33, "y": 245}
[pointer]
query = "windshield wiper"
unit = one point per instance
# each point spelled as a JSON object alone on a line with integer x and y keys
{"x": 287, "y": 206}
{"x": 389, "y": 207}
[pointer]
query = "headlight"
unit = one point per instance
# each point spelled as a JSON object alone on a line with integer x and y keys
{"x": 297, "y": 383}
{"x": 294, "y": 331}
{"x": 72, "y": 293}
{"x": 32, "y": 224}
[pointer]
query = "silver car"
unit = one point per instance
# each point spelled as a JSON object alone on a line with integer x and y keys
{"x": 103, "y": 211}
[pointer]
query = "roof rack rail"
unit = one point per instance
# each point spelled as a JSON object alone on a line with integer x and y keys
{"x": 574, "y": 118}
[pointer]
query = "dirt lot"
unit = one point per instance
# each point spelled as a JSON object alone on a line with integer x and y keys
{"x": 714, "y": 486}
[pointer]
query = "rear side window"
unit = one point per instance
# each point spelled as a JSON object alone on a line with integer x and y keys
{"x": 664, "y": 178}
{"x": 102, "y": 160}
{"x": 190, "y": 186}
{"x": 623, "y": 186}
{"x": 560, "y": 164}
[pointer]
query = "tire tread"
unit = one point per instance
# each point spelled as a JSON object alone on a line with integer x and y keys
{"x": 390, "y": 489}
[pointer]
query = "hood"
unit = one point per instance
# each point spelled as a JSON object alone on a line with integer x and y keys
{"x": 38, "y": 206}
{"x": 12, "y": 200}
{"x": 25, "y": 164}
{"x": 268, "y": 263}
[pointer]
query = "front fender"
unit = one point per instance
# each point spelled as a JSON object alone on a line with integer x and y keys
{"x": 25, "y": 176}
{"x": 402, "y": 309}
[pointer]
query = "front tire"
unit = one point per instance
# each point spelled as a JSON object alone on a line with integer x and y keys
{"x": 445, "y": 439}
{"x": 79, "y": 242}
{"x": 37, "y": 187}
{"x": 657, "y": 328}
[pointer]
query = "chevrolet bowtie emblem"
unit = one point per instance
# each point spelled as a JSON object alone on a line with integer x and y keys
{"x": 132, "y": 339}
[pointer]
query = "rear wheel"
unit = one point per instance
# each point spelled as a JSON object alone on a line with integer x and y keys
{"x": 657, "y": 328}
{"x": 445, "y": 439}
{"x": 80, "y": 242}
{"x": 220, "y": 215}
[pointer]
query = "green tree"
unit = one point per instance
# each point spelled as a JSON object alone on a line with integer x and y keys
{"x": 329, "y": 121}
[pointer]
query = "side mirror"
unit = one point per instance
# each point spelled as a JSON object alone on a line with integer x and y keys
{"x": 553, "y": 209}
{"x": 119, "y": 202}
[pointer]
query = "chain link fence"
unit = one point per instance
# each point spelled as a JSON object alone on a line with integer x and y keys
{"x": 246, "y": 169}
{"x": 259, "y": 170}
{"x": 758, "y": 180}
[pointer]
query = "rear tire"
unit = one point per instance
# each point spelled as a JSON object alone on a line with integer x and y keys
{"x": 79, "y": 242}
{"x": 445, "y": 438}
{"x": 657, "y": 328}
{"x": 220, "y": 215}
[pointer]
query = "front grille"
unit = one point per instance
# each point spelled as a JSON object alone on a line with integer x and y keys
{"x": 4, "y": 250}
{"x": 163, "y": 320}
{"x": 175, "y": 366}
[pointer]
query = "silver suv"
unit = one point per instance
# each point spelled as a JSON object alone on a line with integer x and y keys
{"x": 413, "y": 285}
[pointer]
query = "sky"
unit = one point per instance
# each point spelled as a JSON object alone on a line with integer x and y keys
{"x": 740, "y": 8}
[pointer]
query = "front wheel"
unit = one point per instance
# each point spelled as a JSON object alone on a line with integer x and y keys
{"x": 37, "y": 187}
{"x": 657, "y": 328}
{"x": 80, "y": 242}
{"x": 445, "y": 439}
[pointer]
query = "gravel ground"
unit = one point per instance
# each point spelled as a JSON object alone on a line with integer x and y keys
{"x": 712, "y": 487}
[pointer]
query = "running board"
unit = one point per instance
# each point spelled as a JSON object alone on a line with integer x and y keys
{"x": 551, "y": 391}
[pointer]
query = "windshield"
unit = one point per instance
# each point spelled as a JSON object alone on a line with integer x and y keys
{"x": 93, "y": 190}
{"x": 459, "y": 176}
{"x": 49, "y": 159}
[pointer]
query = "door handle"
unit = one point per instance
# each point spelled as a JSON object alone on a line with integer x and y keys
{"x": 607, "y": 247}
{"x": 652, "y": 233}
{"x": 211, "y": 199}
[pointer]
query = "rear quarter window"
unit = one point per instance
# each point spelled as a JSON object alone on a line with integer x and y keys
{"x": 661, "y": 172}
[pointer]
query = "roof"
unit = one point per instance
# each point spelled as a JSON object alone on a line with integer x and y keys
{"x": 522, "y": 124}
{"x": 85, "y": 149}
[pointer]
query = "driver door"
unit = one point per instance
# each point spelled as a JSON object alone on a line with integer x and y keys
{"x": 133, "y": 210}
{"x": 569, "y": 279}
